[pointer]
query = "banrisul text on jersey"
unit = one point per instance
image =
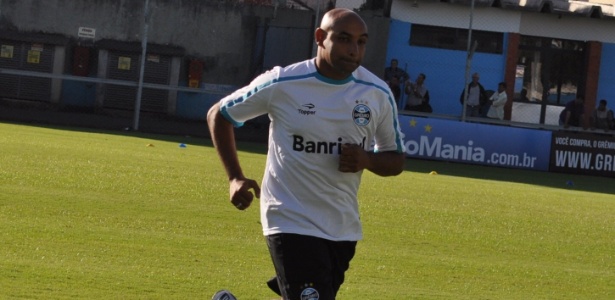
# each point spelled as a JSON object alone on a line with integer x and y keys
{"x": 320, "y": 147}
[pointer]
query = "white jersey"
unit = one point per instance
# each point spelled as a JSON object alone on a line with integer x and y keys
{"x": 311, "y": 117}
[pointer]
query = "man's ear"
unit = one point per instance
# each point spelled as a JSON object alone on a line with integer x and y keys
{"x": 320, "y": 36}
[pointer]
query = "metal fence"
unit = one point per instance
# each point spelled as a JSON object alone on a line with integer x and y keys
{"x": 155, "y": 57}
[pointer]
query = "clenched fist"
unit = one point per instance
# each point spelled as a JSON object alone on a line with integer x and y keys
{"x": 353, "y": 159}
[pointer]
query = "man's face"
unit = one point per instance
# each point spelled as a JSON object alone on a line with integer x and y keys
{"x": 475, "y": 78}
{"x": 420, "y": 79}
{"x": 343, "y": 48}
{"x": 394, "y": 64}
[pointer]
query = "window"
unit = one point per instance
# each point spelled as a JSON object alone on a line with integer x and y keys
{"x": 549, "y": 74}
{"x": 549, "y": 69}
{"x": 455, "y": 38}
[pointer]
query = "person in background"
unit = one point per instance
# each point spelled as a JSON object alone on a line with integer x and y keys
{"x": 476, "y": 97}
{"x": 498, "y": 100}
{"x": 602, "y": 117}
{"x": 523, "y": 96}
{"x": 418, "y": 95}
{"x": 395, "y": 77}
{"x": 331, "y": 119}
{"x": 574, "y": 113}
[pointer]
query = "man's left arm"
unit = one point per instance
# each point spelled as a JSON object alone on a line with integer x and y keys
{"x": 387, "y": 162}
{"x": 354, "y": 159}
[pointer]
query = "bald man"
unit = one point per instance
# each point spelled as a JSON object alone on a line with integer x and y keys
{"x": 330, "y": 120}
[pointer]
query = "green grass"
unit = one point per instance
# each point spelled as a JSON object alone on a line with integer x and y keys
{"x": 101, "y": 215}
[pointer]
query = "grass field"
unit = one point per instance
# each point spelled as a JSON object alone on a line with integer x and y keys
{"x": 117, "y": 215}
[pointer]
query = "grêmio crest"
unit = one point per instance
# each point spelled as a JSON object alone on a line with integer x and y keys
{"x": 361, "y": 114}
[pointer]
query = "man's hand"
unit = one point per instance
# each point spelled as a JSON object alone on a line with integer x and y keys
{"x": 241, "y": 196}
{"x": 353, "y": 159}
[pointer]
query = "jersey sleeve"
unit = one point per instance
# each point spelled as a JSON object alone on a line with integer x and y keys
{"x": 389, "y": 136}
{"x": 250, "y": 101}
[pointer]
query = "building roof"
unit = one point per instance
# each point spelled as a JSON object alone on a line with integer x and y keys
{"x": 34, "y": 37}
{"x": 588, "y": 8}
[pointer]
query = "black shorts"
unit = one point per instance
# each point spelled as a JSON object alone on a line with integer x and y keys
{"x": 308, "y": 267}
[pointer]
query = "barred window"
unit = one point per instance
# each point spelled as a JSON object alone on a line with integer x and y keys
{"x": 455, "y": 38}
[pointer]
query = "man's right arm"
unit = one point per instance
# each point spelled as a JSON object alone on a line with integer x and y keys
{"x": 223, "y": 138}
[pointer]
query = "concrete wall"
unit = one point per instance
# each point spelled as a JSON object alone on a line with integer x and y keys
{"x": 376, "y": 54}
{"x": 223, "y": 35}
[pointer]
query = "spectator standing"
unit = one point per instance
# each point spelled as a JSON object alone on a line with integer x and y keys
{"x": 418, "y": 95}
{"x": 602, "y": 117}
{"x": 395, "y": 77}
{"x": 331, "y": 119}
{"x": 574, "y": 113}
{"x": 498, "y": 100}
{"x": 476, "y": 97}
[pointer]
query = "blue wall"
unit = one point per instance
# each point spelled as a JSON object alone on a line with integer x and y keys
{"x": 444, "y": 69}
{"x": 606, "y": 83}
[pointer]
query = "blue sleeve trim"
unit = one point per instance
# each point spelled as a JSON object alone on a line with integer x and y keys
{"x": 228, "y": 117}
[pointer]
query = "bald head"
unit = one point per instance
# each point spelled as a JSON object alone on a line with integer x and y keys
{"x": 332, "y": 17}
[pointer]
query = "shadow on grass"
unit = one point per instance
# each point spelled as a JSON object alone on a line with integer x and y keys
{"x": 156, "y": 126}
{"x": 555, "y": 180}
{"x": 249, "y": 138}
